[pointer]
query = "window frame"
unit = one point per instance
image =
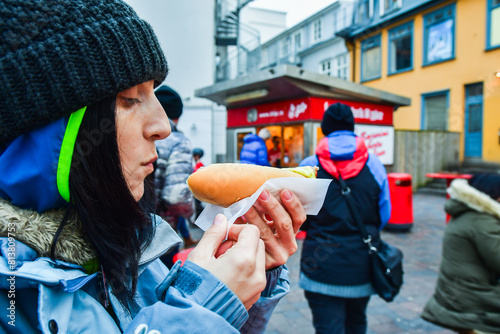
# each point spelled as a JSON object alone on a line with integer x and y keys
{"x": 389, "y": 48}
{"x": 317, "y": 30}
{"x": 369, "y": 6}
{"x": 426, "y": 27}
{"x": 489, "y": 10}
{"x": 285, "y": 49}
{"x": 383, "y": 11}
{"x": 374, "y": 39}
{"x": 326, "y": 63}
{"x": 297, "y": 37}
{"x": 445, "y": 92}
{"x": 343, "y": 67}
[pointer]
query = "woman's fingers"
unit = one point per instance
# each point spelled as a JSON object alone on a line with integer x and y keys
{"x": 294, "y": 208}
{"x": 210, "y": 242}
{"x": 283, "y": 223}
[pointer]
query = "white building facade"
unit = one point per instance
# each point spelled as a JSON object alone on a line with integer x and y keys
{"x": 187, "y": 32}
{"x": 312, "y": 44}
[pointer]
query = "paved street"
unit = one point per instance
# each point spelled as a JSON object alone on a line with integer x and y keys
{"x": 422, "y": 250}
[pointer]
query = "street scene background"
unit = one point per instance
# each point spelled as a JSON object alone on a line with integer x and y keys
{"x": 422, "y": 254}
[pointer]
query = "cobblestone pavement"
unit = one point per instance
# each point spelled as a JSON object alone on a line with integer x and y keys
{"x": 422, "y": 250}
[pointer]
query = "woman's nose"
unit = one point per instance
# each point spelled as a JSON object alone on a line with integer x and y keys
{"x": 161, "y": 125}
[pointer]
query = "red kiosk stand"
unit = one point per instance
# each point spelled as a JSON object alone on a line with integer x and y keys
{"x": 290, "y": 102}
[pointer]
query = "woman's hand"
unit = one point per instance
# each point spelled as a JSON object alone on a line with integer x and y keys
{"x": 278, "y": 224}
{"x": 238, "y": 262}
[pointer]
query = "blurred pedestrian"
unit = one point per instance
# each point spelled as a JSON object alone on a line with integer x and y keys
{"x": 274, "y": 153}
{"x": 197, "y": 155}
{"x": 174, "y": 165}
{"x": 254, "y": 150}
{"x": 335, "y": 264}
{"x": 79, "y": 243}
{"x": 467, "y": 294}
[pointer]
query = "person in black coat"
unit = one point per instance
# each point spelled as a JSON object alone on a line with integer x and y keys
{"x": 335, "y": 267}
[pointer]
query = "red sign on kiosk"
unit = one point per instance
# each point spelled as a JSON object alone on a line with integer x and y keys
{"x": 310, "y": 108}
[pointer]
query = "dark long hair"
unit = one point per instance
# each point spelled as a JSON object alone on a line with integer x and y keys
{"x": 116, "y": 224}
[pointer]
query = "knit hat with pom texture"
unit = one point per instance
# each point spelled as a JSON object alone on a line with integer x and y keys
{"x": 57, "y": 56}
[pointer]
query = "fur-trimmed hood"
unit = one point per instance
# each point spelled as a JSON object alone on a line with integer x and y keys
{"x": 37, "y": 231}
{"x": 461, "y": 191}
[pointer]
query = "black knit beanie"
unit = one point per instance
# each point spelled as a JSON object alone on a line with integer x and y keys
{"x": 170, "y": 101}
{"x": 57, "y": 56}
{"x": 337, "y": 117}
{"x": 488, "y": 183}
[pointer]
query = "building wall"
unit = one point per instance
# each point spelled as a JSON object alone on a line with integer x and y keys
{"x": 472, "y": 64}
{"x": 186, "y": 30}
{"x": 188, "y": 44}
{"x": 313, "y": 50}
{"x": 269, "y": 23}
{"x": 311, "y": 61}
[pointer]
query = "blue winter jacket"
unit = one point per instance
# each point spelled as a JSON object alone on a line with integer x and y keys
{"x": 334, "y": 259}
{"x": 40, "y": 295}
{"x": 254, "y": 151}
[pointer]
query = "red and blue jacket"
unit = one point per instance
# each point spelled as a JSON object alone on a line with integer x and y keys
{"x": 333, "y": 252}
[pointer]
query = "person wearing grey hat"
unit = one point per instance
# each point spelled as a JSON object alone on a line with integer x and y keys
{"x": 78, "y": 237}
{"x": 338, "y": 287}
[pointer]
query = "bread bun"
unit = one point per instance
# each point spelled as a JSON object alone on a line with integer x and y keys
{"x": 226, "y": 183}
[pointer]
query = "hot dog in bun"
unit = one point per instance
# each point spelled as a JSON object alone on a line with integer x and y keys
{"x": 226, "y": 183}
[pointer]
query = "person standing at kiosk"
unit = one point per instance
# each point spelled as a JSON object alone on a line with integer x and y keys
{"x": 254, "y": 149}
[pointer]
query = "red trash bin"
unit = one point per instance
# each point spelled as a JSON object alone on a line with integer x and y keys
{"x": 401, "y": 201}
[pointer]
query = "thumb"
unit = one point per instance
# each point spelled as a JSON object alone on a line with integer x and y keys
{"x": 214, "y": 236}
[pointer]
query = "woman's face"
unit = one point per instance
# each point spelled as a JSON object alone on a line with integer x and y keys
{"x": 140, "y": 120}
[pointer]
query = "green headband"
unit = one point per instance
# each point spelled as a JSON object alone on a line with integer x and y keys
{"x": 66, "y": 154}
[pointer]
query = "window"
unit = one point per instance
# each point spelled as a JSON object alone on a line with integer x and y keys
{"x": 400, "y": 48}
{"x": 363, "y": 10}
{"x": 493, "y": 24}
{"x": 336, "y": 67}
{"x": 342, "y": 66}
{"x": 298, "y": 41}
{"x": 285, "y": 51}
{"x": 388, "y": 6}
{"x": 325, "y": 67}
{"x": 370, "y": 58}
{"x": 317, "y": 30}
{"x": 435, "y": 111}
{"x": 439, "y": 35}
{"x": 272, "y": 55}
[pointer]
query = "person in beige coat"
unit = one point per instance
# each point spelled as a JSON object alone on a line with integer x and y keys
{"x": 467, "y": 294}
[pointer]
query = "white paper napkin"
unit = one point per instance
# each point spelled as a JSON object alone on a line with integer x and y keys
{"x": 311, "y": 193}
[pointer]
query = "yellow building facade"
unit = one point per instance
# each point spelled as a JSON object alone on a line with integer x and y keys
{"x": 452, "y": 74}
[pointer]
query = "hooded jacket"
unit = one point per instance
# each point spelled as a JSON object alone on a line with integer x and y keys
{"x": 335, "y": 260}
{"x": 174, "y": 165}
{"x": 467, "y": 294}
{"x": 65, "y": 295}
{"x": 254, "y": 151}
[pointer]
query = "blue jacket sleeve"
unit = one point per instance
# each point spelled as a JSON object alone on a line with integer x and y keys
{"x": 384, "y": 198}
{"x": 191, "y": 300}
{"x": 277, "y": 287}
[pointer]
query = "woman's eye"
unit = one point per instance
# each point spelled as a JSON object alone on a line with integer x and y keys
{"x": 129, "y": 101}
